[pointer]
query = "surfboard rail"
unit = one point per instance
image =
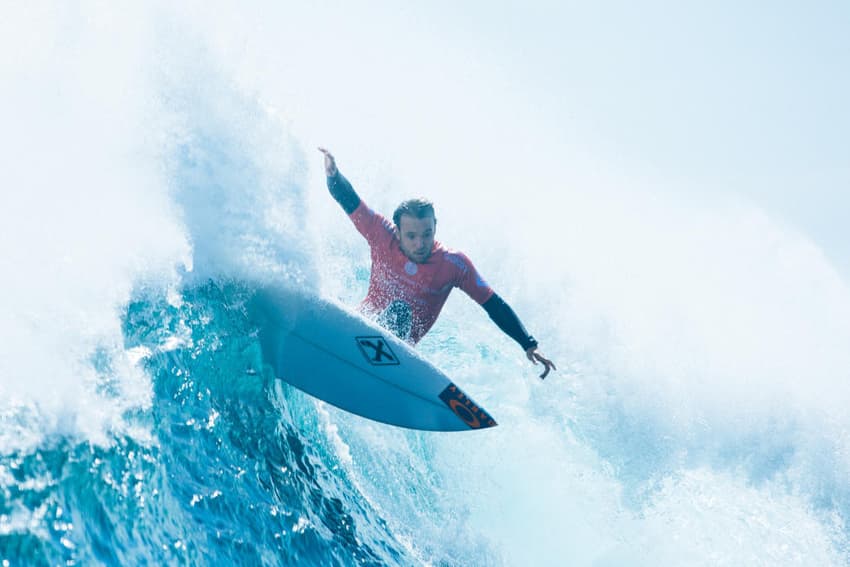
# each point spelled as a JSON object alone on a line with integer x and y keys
{"x": 341, "y": 358}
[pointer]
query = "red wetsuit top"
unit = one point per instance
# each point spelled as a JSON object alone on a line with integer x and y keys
{"x": 406, "y": 297}
{"x": 420, "y": 290}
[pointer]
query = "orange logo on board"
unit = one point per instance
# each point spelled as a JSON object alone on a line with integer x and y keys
{"x": 467, "y": 410}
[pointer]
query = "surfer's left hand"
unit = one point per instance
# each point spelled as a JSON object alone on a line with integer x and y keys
{"x": 536, "y": 357}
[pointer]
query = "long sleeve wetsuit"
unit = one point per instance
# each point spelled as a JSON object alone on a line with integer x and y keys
{"x": 498, "y": 310}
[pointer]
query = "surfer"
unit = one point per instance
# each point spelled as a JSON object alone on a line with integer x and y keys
{"x": 412, "y": 274}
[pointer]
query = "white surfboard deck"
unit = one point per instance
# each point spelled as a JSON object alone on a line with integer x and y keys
{"x": 341, "y": 358}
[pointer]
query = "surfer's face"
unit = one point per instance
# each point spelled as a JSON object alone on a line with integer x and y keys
{"x": 417, "y": 236}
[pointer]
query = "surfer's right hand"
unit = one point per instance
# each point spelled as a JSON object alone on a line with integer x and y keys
{"x": 330, "y": 163}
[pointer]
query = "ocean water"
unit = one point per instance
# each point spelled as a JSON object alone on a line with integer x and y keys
{"x": 152, "y": 180}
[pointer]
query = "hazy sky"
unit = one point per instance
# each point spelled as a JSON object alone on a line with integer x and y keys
{"x": 748, "y": 98}
{"x": 700, "y": 100}
{"x": 704, "y": 100}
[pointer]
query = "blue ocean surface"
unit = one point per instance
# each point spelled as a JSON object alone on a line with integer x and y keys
{"x": 235, "y": 467}
{"x": 229, "y": 476}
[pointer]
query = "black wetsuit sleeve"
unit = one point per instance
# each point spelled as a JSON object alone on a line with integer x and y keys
{"x": 343, "y": 192}
{"x": 502, "y": 314}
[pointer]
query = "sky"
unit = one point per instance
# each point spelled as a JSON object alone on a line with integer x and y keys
{"x": 704, "y": 102}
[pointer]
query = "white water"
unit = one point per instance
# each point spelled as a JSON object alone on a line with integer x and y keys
{"x": 697, "y": 416}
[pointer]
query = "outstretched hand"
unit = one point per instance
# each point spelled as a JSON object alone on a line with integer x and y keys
{"x": 330, "y": 163}
{"x": 536, "y": 357}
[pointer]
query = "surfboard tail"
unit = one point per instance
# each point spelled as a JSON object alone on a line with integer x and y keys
{"x": 466, "y": 409}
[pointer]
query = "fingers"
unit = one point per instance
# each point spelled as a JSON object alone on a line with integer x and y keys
{"x": 536, "y": 357}
{"x": 547, "y": 363}
{"x": 330, "y": 162}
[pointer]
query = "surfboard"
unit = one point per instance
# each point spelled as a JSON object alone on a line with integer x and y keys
{"x": 340, "y": 357}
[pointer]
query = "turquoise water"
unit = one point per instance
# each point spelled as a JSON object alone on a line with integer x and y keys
{"x": 227, "y": 477}
{"x": 227, "y": 465}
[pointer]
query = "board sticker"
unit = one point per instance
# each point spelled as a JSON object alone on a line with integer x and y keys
{"x": 376, "y": 350}
{"x": 467, "y": 410}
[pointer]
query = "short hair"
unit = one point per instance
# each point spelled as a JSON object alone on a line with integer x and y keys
{"x": 418, "y": 208}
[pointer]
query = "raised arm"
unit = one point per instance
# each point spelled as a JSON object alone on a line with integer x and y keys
{"x": 505, "y": 318}
{"x": 339, "y": 186}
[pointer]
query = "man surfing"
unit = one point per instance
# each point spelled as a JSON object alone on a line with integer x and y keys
{"x": 412, "y": 274}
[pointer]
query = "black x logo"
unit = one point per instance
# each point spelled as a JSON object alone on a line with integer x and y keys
{"x": 379, "y": 352}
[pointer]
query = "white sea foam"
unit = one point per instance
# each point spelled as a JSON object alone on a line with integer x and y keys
{"x": 84, "y": 208}
{"x": 701, "y": 346}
